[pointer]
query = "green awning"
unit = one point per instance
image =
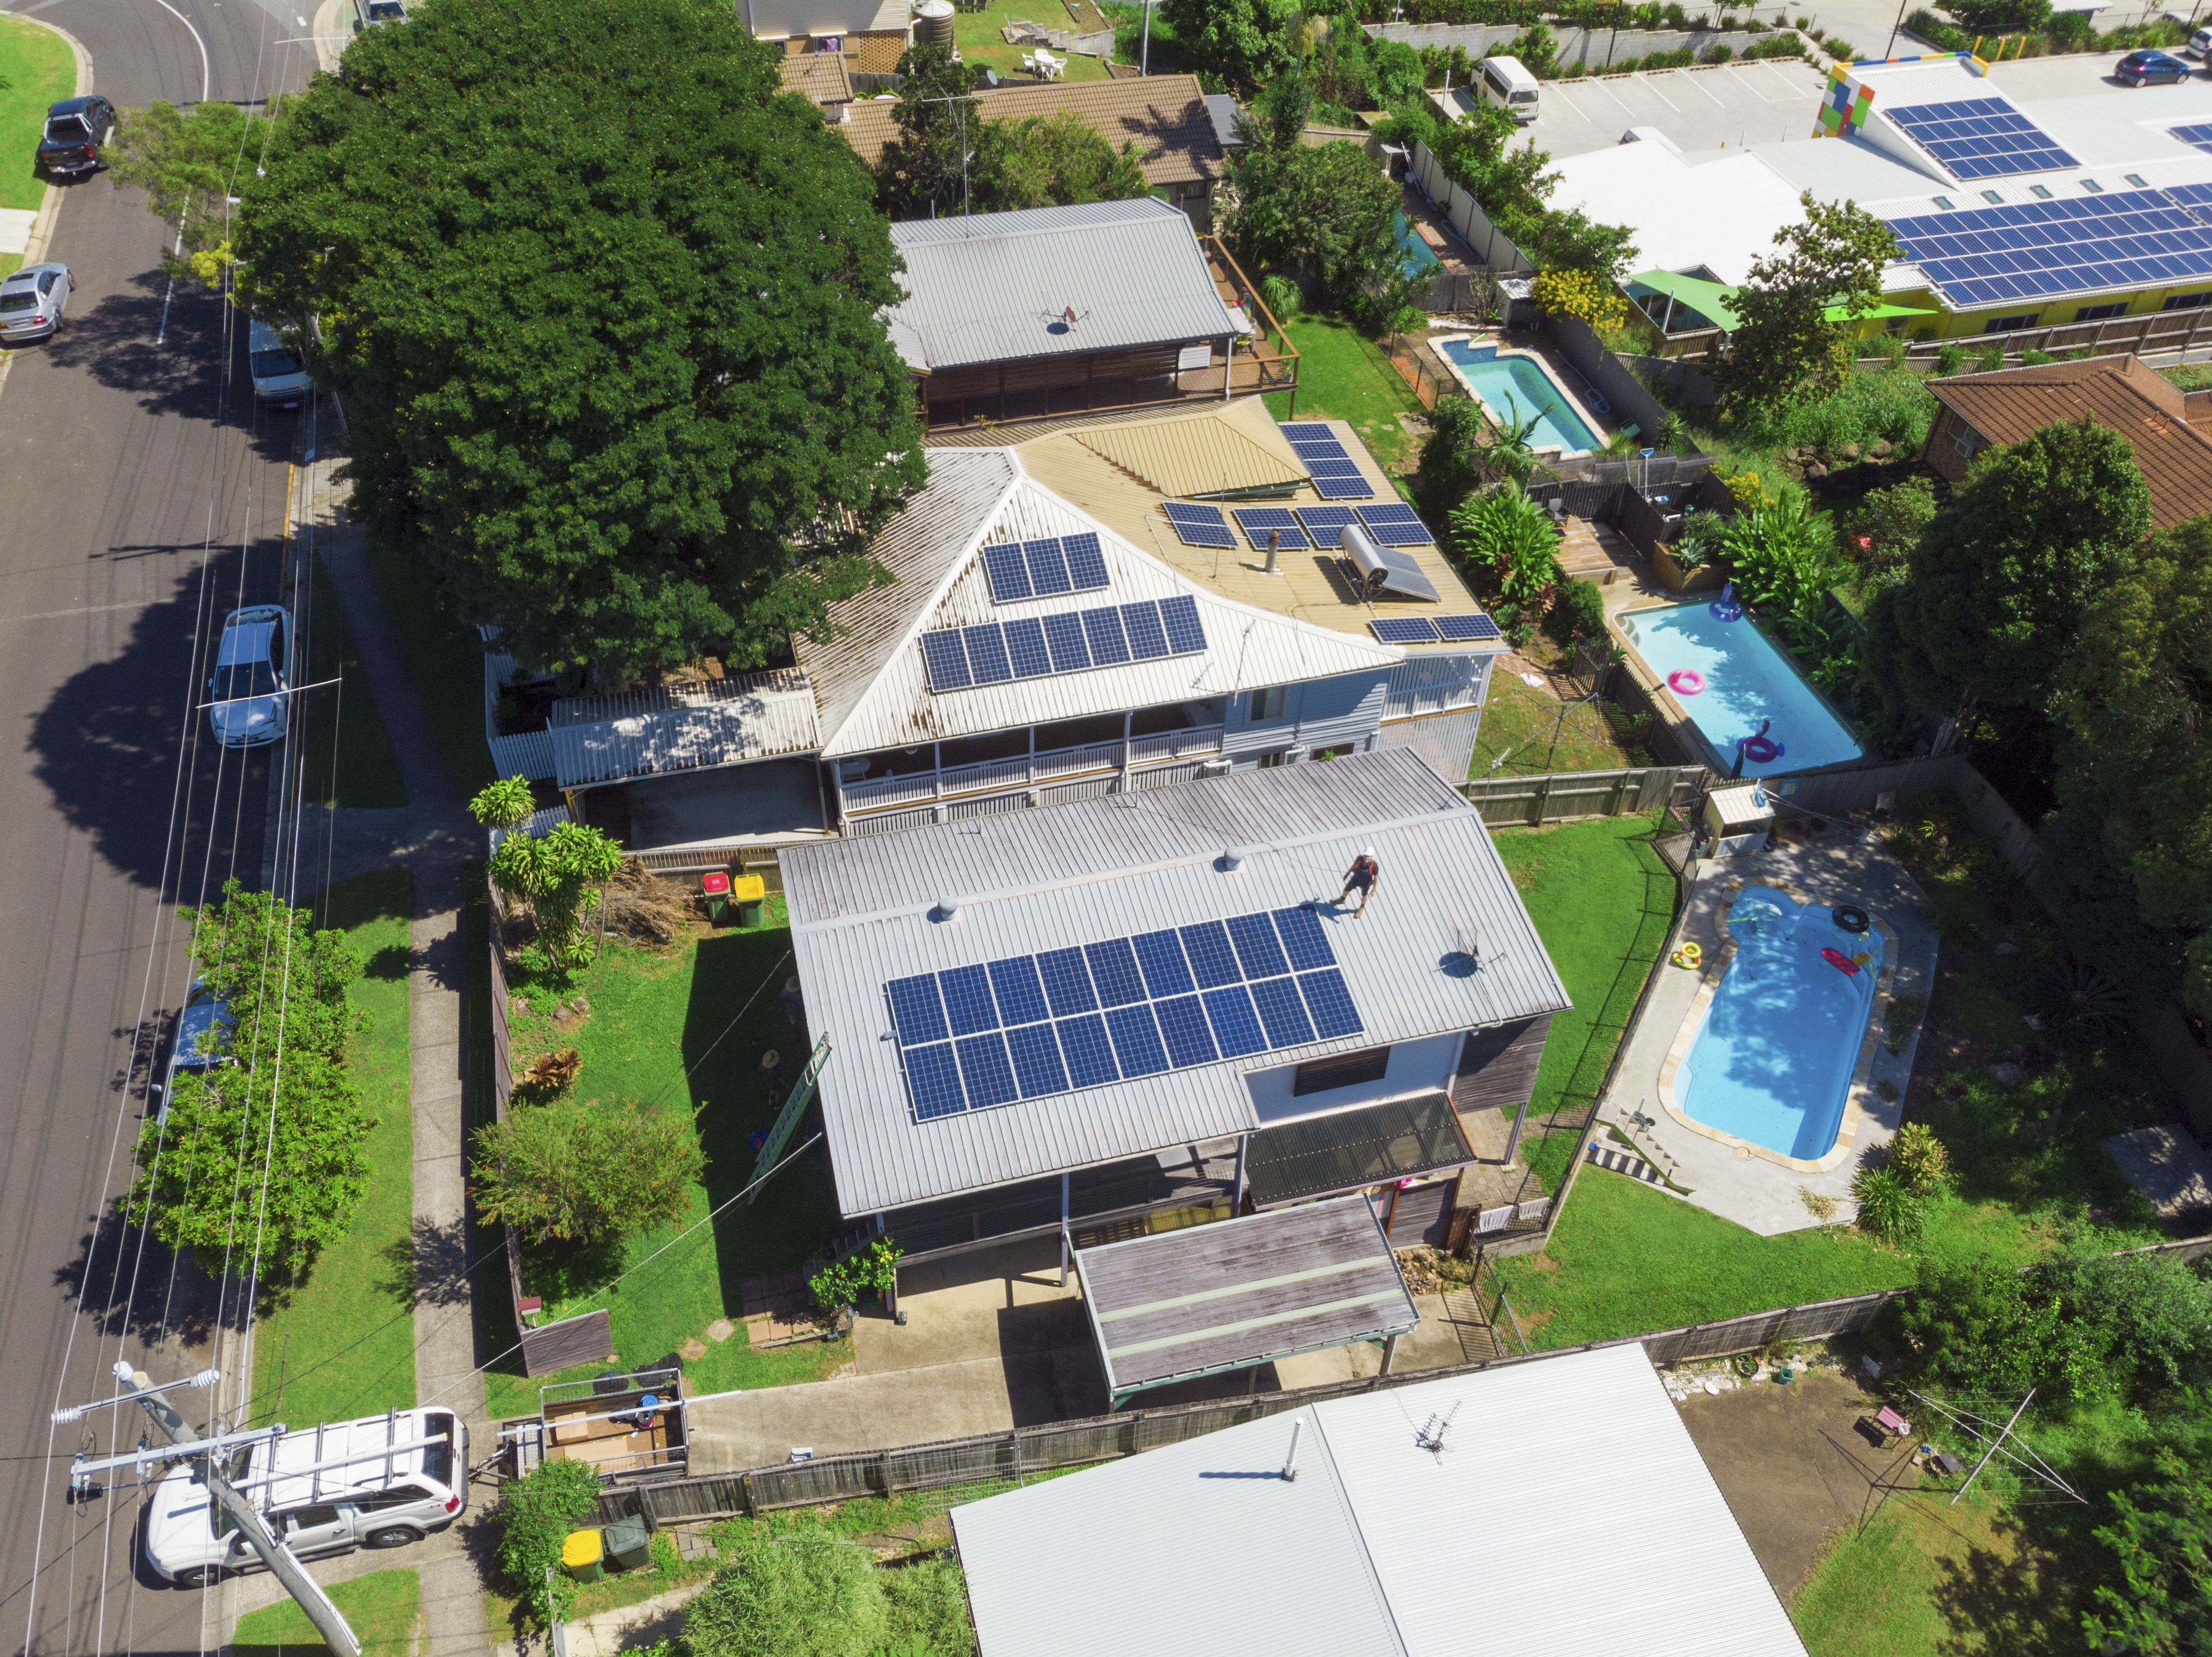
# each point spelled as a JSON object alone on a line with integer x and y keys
{"x": 1711, "y": 300}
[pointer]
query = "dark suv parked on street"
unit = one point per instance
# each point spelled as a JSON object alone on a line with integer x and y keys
{"x": 76, "y": 129}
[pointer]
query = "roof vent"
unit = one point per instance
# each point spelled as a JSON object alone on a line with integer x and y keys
{"x": 1232, "y": 860}
{"x": 947, "y": 906}
{"x": 1290, "y": 1474}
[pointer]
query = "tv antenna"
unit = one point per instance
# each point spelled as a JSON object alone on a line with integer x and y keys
{"x": 1431, "y": 1436}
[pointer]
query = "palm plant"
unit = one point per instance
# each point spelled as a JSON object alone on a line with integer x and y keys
{"x": 1516, "y": 537}
{"x": 1506, "y": 455}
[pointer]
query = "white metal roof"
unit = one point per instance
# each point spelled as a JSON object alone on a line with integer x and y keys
{"x": 1567, "y": 1513}
{"x": 691, "y": 728}
{"x": 996, "y": 287}
{"x": 862, "y": 913}
{"x": 876, "y": 692}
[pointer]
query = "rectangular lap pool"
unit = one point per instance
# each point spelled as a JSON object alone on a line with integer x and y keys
{"x": 1737, "y": 689}
{"x": 1515, "y": 387}
{"x": 1773, "y": 1062}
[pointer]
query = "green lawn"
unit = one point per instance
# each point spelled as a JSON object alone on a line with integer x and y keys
{"x": 342, "y": 1343}
{"x": 653, "y": 1015}
{"x": 1533, "y": 732}
{"x": 977, "y": 35}
{"x": 1602, "y": 902}
{"x": 383, "y": 1609}
{"x": 36, "y": 67}
{"x": 445, "y": 659}
{"x": 349, "y": 760}
{"x": 1344, "y": 375}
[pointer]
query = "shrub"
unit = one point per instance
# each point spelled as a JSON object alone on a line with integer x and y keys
{"x": 1719, "y": 54}
{"x": 1842, "y": 49}
{"x": 1950, "y": 359}
{"x": 1880, "y": 532}
{"x": 1283, "y": 295}
{"x": 549, "y": 1077}
{"x": 1872, "y": 405}
{"x": 1700, "y": 538}
{"x": 535, "y": 1515}
{"x": 793, "y": 1595}
{"x": 2032, "y": 358}
{"x": 1578, "y": 613}
{"x": 1987, "y": 362}
{"x": 557, "y": 873}
{"x": 1749, "y": 491}
{"x": 928, "y": 1606}
{"x": 1517, "y": 539}
{"x": 585, "y": 1176}
{"x": 872, "y": 1271}
{"x": 1917, "y": 1157}
{"x": 1887, "y": 1206}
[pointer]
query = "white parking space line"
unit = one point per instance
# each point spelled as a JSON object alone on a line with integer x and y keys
{"x": 1652, "y": 86}
{"x": 1737, "y": 79}
{"x": 1561, "y": 93}
{"x": 1788, "y": 85}
{"x": 1693, "y": 80}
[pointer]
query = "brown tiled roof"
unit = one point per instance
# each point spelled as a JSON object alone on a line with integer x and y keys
{"x": 818, "y": 75}
{"x": 1164, "y": 115}
{"x": 2122, "y": 392}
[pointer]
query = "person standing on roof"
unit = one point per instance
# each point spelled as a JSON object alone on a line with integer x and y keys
{"x": 1360, "y": 877}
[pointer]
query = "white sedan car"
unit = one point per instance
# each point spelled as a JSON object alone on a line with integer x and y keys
{"x": 247, "y": 692}
{"x": 277, "y": 376}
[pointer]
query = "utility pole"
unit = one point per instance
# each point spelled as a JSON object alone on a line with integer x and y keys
{"x": 1145, "y": 56}
{"x": 329, "y": 1622}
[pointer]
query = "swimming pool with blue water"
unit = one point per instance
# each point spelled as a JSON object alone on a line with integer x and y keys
{"x": 1515, "y": 387}
{"x": 1735, "y": 686}
{"x": 1772, "y": 1062}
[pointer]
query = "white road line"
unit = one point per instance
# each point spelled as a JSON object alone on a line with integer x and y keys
{"x": 82, "y": 609}
{"x": 207, "y": 78}
{"x": 1684, "y": 73}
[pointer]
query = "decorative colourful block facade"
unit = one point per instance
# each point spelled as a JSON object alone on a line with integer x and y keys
{"x": 1844, "y": 105}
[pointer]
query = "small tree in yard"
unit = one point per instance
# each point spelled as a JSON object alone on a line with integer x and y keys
{"x": 587, "y": 1174}
{"x": 1582, "y": 294}
{"x": 536, "y": 1514}
{"x": 1056, "y": 161}
{"x": 557, "y": 874}
{"x": 925, "y": 169}
{"x": 1785, "y": 348}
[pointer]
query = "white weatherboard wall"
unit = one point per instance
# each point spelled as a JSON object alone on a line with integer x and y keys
{"x": 1566, "y": 1515}
{"x": 1421, "y": 1066}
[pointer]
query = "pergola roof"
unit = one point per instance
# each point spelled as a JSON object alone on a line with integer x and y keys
{"x": 1240, "y": 1293}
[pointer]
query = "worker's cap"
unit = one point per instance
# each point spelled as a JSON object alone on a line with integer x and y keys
{"x": 1367, "y": 851}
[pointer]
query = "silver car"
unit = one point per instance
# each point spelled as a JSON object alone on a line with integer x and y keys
{"x": 247, "y": 694}
{"x": 204, "y": 1028}
{"x": 32, "y": 302}
{"x": 277, "y": 376}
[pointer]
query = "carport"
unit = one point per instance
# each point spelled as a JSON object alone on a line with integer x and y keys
{"x": 1237, "y": 1294}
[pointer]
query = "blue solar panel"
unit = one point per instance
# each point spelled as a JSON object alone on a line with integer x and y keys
{"x": 1980, "y": 138}
{"x": 1048, "y": 566}
{"x": 1322, "y": 523}
{"x": 1063, "y": 636}
{"x": 933, "y": 1081}
{"x": 2191, "y": 194}
{"x": 1212, "y": 959}
{"x": 1183, "y": 1026}
{"x": 2035, "y": 250}
{"x": 946, "y": 659}
{"x": 1236, "y": 1027}
{"x": 1395, "y": 526}
{"x": 1037, "y": 1067}
{"x": 915, "y": 1009}
{"x": 1066, "y": 981}
{"x": 1295, "y": 429}
{"x": 1113, "y": 970}
{"x": 1025, "y": 647}
{"x": 984, "y": 1071}
{"x": 1325, "y": 448}
{"x": 1136, "y": 1040}
{"x": 1185, "y": 632}
{"x": 1404, "y": 629}
{"x": 1257, "y": 521}
{"x": 1009, "y": 575}
{"x": 1198, "y": 526}
{"x": 1257, "y": 952}
{"x": 1344, "y": 488}
{"x": 1086, "y": 563}
{"x": 1020, "y": 995}
{"x": 1101, "y": 631}
{"x": 1346, "y": 467}
{"x": 1148, "y": 640}
{"x": 1305, "y": 940}
{"x": 1456, "y": 630}
{"x": 1160, "y": 954}
{"x": 1330, "y": 1003}
{"x": 987, "y": 653}
{"x": 1282, "y": 1013}
{"x": 967, "y": 992}
{"x": 1089, "y": 1052}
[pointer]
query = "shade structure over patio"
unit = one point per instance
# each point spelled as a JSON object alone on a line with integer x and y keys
{"x": 1715, "y": 300}
{"x": 1240, "y": 1293}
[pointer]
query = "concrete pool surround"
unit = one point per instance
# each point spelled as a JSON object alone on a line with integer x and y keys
{"x": 1584, "y": 405}
{"x": 1714, "y": 969}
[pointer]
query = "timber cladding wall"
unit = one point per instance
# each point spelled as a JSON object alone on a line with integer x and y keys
{"x": 1497, "y": 1067}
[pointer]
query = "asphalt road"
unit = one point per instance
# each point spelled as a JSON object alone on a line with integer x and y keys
{"x": 141, "y": 499}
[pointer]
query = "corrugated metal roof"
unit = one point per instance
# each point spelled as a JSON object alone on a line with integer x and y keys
{"x": 1204, "y": 451}
{"x": 861, "y": 914}
{"x": 751, "y": 726}
{"x": 995, "y": 286}
{"x": 1600, "y": 1528}
{"x": 896, "y": 708}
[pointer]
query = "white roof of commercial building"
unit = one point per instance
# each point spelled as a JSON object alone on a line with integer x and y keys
{"x": 1566, "y": 1513}
{"x": 1721, "y": 215}
{"x": 996, "y": 287}
{"x": 863, "y": 914}
{"x": 870, "y": 682}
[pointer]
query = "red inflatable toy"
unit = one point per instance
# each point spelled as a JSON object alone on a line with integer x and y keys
{"x": 1842, "y": 963}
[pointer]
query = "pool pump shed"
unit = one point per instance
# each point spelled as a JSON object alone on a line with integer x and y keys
{"x": 1737, "y": 817}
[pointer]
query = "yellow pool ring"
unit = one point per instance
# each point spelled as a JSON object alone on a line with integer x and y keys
{"x": 1691, "y": 956}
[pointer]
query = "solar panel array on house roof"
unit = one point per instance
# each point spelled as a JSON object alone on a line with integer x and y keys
{"x": 1257, "y": 521}
{"x": 1322, "y": 523}
{"x": 1037, "y": 646}
{"x": 1336, "y": 475}
{"x": 1044, "y": 569}
{"x": 1198, "y": 525}
{"x": 1426, "y": 630}
{"x": 1068, "y": 1019}
{"x": 1396, "y": 526}
{"x": 1980, "y": 138}
{"x": 2034, "y": 250}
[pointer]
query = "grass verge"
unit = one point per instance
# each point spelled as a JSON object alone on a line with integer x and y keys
{"x": 683, "y": 1029}
{"x": 1344, "y": 375}
{"x": 445, "y": 659}
{"x": 37, "y": 68}
{"x": 349, "y": 760}
{"x": 385, "y": 1609}
{"x": 342, "y": 1343}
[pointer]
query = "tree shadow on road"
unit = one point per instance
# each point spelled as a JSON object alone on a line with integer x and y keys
{"x": 126, "y": 1281}
{"x": 168, "y": 350}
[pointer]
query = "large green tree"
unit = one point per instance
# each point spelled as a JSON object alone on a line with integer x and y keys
{"x": 188, "y": 162}
{"x": 2010, "y": 572}
{"x": 1786, "y": 346}
{"x": 602, "y": 310}
{"x": 1246, "y": 42}
{"x": 2161, "y": 1540}
{"x": 1052, "y": 161}
{"x": 2134, "y": 826}
{"x": 928, "y": 169}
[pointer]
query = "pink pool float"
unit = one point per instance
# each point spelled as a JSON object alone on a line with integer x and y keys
{"x": 1685, "y": 682}
{"x": 1759, "y": 748}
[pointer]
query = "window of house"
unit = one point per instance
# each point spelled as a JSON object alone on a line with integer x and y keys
{"x": 1269, "y": 761}
{"x": 2187, "y": 302}
{"x": 1966, "y": 440}
{"x": 2098, "y": 313}
{"x": 1268, "y": 704}
{"x": 1341, "y": 1070}
{"x": 2009, "y": 324}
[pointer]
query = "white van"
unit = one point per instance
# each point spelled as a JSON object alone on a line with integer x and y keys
{"x": 1506, "y": 83}
{"x": 326, "y": 1491}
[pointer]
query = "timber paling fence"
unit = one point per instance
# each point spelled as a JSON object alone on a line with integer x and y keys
{"x": 1008, "y": 1457}
{"x": 1558, "y": 796}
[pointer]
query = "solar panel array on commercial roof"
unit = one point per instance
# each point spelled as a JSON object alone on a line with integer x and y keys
{"x": 1980, "y": 138}
{"x": 2197, "y": 138}
{"x": 2034, "y": 250}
